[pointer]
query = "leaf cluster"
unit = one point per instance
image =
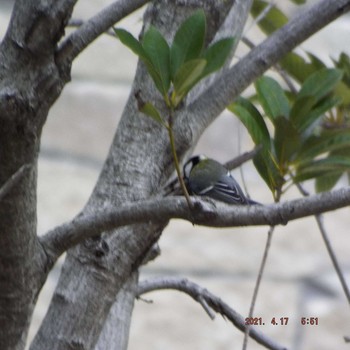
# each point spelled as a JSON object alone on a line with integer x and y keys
{"x": 304, "y": 131}
{"x": 175, "y": 69}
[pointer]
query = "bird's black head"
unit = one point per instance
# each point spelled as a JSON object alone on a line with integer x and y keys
{"x": 190, "y": 164}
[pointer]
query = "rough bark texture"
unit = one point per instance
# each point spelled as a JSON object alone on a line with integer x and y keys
{"x": 29, "y": 83}
{"x": 93, "y": 302}
{"x": 138, "y": 163}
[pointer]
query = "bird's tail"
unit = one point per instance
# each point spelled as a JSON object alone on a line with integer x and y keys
{"x": 251, "y": 202}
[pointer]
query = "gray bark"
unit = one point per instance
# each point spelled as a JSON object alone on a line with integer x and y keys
{"x": 29, "y": 84}
{"x": 139, "y": 162}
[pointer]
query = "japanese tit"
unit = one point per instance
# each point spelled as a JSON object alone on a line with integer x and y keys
{"x": 207, "y": 177}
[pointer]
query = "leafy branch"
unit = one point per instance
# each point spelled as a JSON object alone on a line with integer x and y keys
{"x": 176, "y": 69}
{"x": 311, "y": 125}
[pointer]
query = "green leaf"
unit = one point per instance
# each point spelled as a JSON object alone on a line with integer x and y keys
{"x": 255, "y": 124}
{"x": 343, "y": 92}
{"x": 217, "y": 54}
{"x": 299, "y": 2}
{"x": 316, "y": 62}
{"x": 297, "y": 67}
{"x": 186, "y": 77}
{"x": 317, "y": 112}
{"x": 267, "y": 169}
{"x": 132, "y": 43}
{"x": 327, "y": 182}
{"x": 286, "y": 141}
{"x": 151, "y": 111}
{"x": 158, "y": 51}
{"x": 301, "y": 109}
{"x": 252, "y": 120}
{"x": 155, "y": 77}
{"x": 330, "y": 141}
{"x": 272, "y": 98}
{"x": 321, "y": 83}
{"x": 344, "y": 64}
{"x": 272, "y": 20}
{"x": 321, "y": 167}
{"x": 188, "y": 41}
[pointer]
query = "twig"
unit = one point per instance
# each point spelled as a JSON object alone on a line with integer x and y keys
{"x": 13, "y": 180}
{"x": 206, "y": 307}
{"x": 336, "y": 265}
{"x": 261, "y": 15}
{"x": 319, "y": 220}
{"x": 201, "y": 294}
{"x": 243, "y": 158}
{"x": 258, "y": 283}
{"x": 77, "y": 22}
{"x": 204, "y": 212}
{"x": 176, "y": 160}
{"x": 76, "y": 42}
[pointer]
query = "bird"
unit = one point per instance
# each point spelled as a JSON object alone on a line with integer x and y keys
{"x": 207, "y": 177}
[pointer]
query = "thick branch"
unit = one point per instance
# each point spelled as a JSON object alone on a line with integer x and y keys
{"x": 37, "y": 26}
{"x": 74, "y": 44}
{"x": 29, "y": 84}
{"x": 131, "y": 173}
{"x": 231, "y": 83}
{"x": 201, "y": 294}
{"x": 208, "y": 213}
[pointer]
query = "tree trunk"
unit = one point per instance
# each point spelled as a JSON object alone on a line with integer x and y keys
{"x": 29, "y": 84}
{"x": 138, "y": 164}
{"x": 93, "y": 302}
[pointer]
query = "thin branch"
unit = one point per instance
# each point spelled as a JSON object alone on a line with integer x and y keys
{"x": 319, "y": 220}
{"x": 76, "y": 42}
{"x": 206, "y": 307}
{"x": 260, "y": 273}
{"x": 258, "y": 283}
{"x": 243, "y": 158}
{"x": 13, "y": 180}
{"x": 181, "y": 180}
{"x": 201, "y": 294}
{"x": 261, "y": 16}
{"x": 204, "y": 212}
{"x": 77, "y": 22}
{"x": 327, "y": 242}
{"x": 231, "y": 83}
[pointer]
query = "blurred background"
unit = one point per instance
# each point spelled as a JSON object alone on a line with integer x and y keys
{"x": 299, "y": 279}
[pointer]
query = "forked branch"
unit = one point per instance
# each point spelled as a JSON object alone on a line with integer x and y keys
{"x": 207, "y": 300}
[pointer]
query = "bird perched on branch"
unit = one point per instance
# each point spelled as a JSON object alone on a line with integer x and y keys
{"x": 207, "y": 177}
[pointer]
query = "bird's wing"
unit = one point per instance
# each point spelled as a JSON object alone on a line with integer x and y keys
{"x": 229, "y": 193}
{"x": 205, "y": 190}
